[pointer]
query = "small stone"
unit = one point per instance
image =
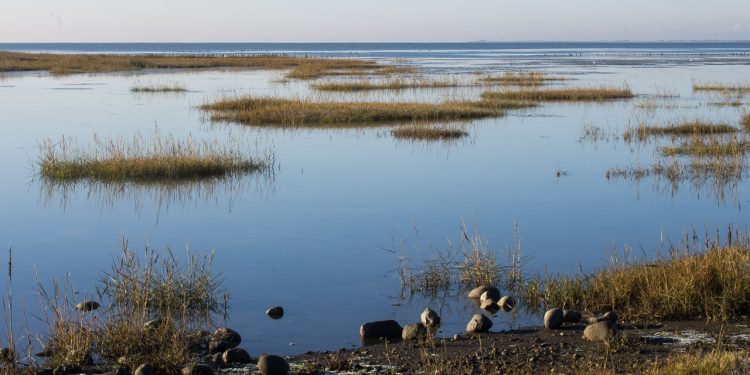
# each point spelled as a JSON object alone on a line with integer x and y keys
{"x": 430, "y": 318}
{"x": 87, "y": 306}
{"x": 601, "y": 331}
{"x": 145, "y": 369}
{"x": 553, "y": 318}
{"x": 272, "y": 365}
{"x": 477, "y": 292}
{"x": 507, "y": 303}
{"x": 478, "y": 324}
{"x": 490, "y": 294}
{"x": 153, "y": 324}
{"x": 388, "y": 329}
{"x": 490, "y": 306}
{"x": 611, "y": 316}
{"x": 275, "y": 313}
{"x": 236, "y": 355}
{"x": 571, "y": 316}
{"x": 456, "y": 337}
{"x": 414, "y": 331}
{"x": 197, "y": 369}
{"x": 224, "y": 338}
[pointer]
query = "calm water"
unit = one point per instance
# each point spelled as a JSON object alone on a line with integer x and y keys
{"x": 314, "y": 238}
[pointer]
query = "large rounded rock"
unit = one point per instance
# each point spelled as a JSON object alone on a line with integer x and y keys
{"x": 490, "y": 295}
{"x": 553, "y": 318}
{"x": 414, "y": 331}
{"x": 272, "y": 365}
{"x": 601, "y": 331}
{"x": 198, "y": 369}
{"x": 609, "y": 316}
{"x": 236, "y": 355}
{"x": 571, "y": 316}
{"x": 87, "y": 306}
{"x": 507, "y": 303}
{"x": 478, "y": 324}
{"x": 224, "y": 338}
{"x": 388, "y": 329}
{"x": 145, "y": 369}
{"x": 275, "y": 313}
{"x": 490, "y": 306}
{"x": 430, "y": 318}
{"x": 477, "y": 292}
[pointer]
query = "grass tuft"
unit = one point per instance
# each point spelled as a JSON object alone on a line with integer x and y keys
{"x": 426, "y": 133}
{"x": 522, "y": 79}
{"x": 713, "y": 147}
{"x": 397, "y": 84}
{"x": 158, "y": 88}
{"x": 678, "y": 129}
{"x": 721, "y": 87}
{"x": 561, "y": 94}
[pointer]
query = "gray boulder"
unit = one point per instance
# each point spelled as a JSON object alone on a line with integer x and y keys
{"x": 553, "y": 318}
{"x": 236, "y": 355}
{"x": 478, "y": 324}
{"x": 601, "y": 331}
{"x": 414, "y": 331}
{"x": 571, "y": 316}
{"x": 224, "y": 338}
{"x": 609, "y": 316}
{"x": 477, "y": 292}
{"x": 430, "y": 318}
{"x": 272, "y": 365}
{"x": 388, "y": 329}
{"x": 490, "y": 295}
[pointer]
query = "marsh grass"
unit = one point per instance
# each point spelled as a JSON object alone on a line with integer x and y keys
{"x": 643, "y": 132}
{"x": 716, "y": 362}
{"x": 141, "y": 159}
{"x": 305, "y": 112}
{"x": 427, "y": 133}
{"x": 158, "y": 88}
{"x": 711, "y": 147}
{"x": 693, "y": 280}
{"x": 745, "y": 122}
{"x": 721, "y": 87}
{"x": 575, "y": 94}
{"x": 522, "y": 79}
{"x": 396, "y": 84}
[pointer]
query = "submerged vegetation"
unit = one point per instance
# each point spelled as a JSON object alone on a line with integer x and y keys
{"x": 721, "y": 87}
{"x": 142, "y": 159}
{"x": 522, "y": 79}
{"x": 428, "y": 133}
{"x": 561, "y": 94}
{"x": 156, "y": 88}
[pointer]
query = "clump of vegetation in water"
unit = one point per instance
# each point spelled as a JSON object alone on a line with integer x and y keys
{"x": 522, "y": 79}
{"x": 426, "y": 133}
{"x": 678, "y": 129}
{"x": 721, "y": 87}
{"x": 397, "y": 84}
{"x": 157, "y": 88}
{"x": 711, "y": 147}
{"x": 575, "y": 94}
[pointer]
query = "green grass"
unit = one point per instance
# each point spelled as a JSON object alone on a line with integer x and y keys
{"x": 397, "y": 84}
{"x": 142, "y": 159}
{"x": 304, "y": 112}
{"x": 561, "y": 94}
{"x": 522, "y": 79}
{"x": 426, "y": 133}
{"x": 678, "y": 129}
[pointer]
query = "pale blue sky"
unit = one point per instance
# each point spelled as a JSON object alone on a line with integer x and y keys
{"x": 370, "y": 20}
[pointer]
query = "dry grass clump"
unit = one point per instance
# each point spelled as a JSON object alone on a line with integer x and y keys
{"x": 522, "y": 79}
{"x": 305, "y": 112}
{"x": 397, "y": 84}
{"x": 426, "y": 133}
{"x": 721, "y": 87}
{"x": 158, "y": 158}
{"x": 745, "y": 122}
{"x": 687, "y": 284}
{"x": 678, "y": 129}
{"x": 718, "y": 362}
{"x": 712, "y": 147}
{"x": 157, "y": 88}
{"x": 502, "y": 104}
{"x": 561, "y": 94}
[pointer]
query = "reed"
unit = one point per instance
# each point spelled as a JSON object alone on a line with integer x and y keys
{"x": 712, "y": 147}
{"x": 561, "y": 94}
{"x": 141, "y": 159}
{"x": 745, "y": 122}
{"x": 397, "y": 84}
{"x": 426, "y": 133}
{"x": 721, "y": 87}
{"x": 522, "y": 79}
{"x": 158, "y": 88}
{"x": 678, "y": 129}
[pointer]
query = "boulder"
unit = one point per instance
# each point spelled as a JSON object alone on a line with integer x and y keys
{"x": 491, "y": 295}
{"x": 553, "y": 318}
{"x": 217, "y": 360}
{"x": 414, "y": 331}
{"x": 490, "y": 306}
{"x": 609, "y": 316}
{"x": 388, "y": 329}
{"x": 275, "y": 313}
{"x": 224, "y": 338}
{"x": 236, "y": 355}
{"x": 197, "y": 369}
{"x": 507, "y": 303}
{"x": 571, "y": 316}
{"x": 87, "y": 306}
{"x": 272, "y": 365}
{"x": 478, "y": 324}
{"x": 430, "y": 318}
{"x": 477, "y": 292}
{"x": 153, "y": 324}
{"x": 601, "y": 331}
{"x": 145, "y": 369}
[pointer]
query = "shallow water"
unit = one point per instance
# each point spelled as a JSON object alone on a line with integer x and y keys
{"x": 315, "y": 237}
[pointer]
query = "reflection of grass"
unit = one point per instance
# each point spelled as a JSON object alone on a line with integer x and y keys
{"x": 522, "y": 79}
{"x": 397, "y": 84}
{"x": 561, "y": 94}
{"x": 428, "y": 133}
{"x": 161, "y": 158}
{"x": 305, "y": 112}
{"x": 678, "y": 129}
{"x": 175, "y": 87}
{"x": 688, "y": 284}
{"x": 721, "y": 87}
{"x": 713, "y": 147}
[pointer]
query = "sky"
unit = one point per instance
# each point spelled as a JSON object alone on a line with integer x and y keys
{"x": 371, "y": 20}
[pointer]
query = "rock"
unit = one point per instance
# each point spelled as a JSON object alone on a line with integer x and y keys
{"x": 609, "y": 316}
{"x": 224, "y": 338}
{"x": 153, "y": 324}
{"x": 87, "y": 306}
{"x": 571, "y": 316}
{"x": 507, "y": 303}
{"x": 44, "y": 371}
{"x": 388, "y": 329}
{"x": 122, "y": 370}
{"x": 68, "y": 369}
{"x": 477, "y": 292}
{"x": 145, "y": 369}
{"x": 490, "y": 294}
{"x": 236, "y": 355}
{"x": 197, "y": 369}
{"x": 601, "y": 331}
{"x": 490, "y": 306}
{"x": 414, "y": 331}
{"x": 553, "y": 318}
{"x": 272, "y": 365}
{"x": 430, "y": 318}
{"x": 217, "y": 360}
{"x": 275, "y": 313}
{"x": 479, "y": 323}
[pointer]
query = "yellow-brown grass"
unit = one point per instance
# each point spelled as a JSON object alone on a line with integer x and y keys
{"x": 160, "y": 158}
{"x": 428, "y": 133}
{"x": 156, "y": 88}
{"x": 305, "y": 112}
{"x": 712, "y": 147}
{"x": 721, "y": 87}
{"x": 718, "y": 362}
{"x": 522, "y": 79}
{"x": 688, "y": 284}
{"x": 398, "y": 84}
{"x": 561, "y": 94}
{"x": 746, "y": 121}
{"x": 301, "y": 67}
{"x": 678, "y": 129}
